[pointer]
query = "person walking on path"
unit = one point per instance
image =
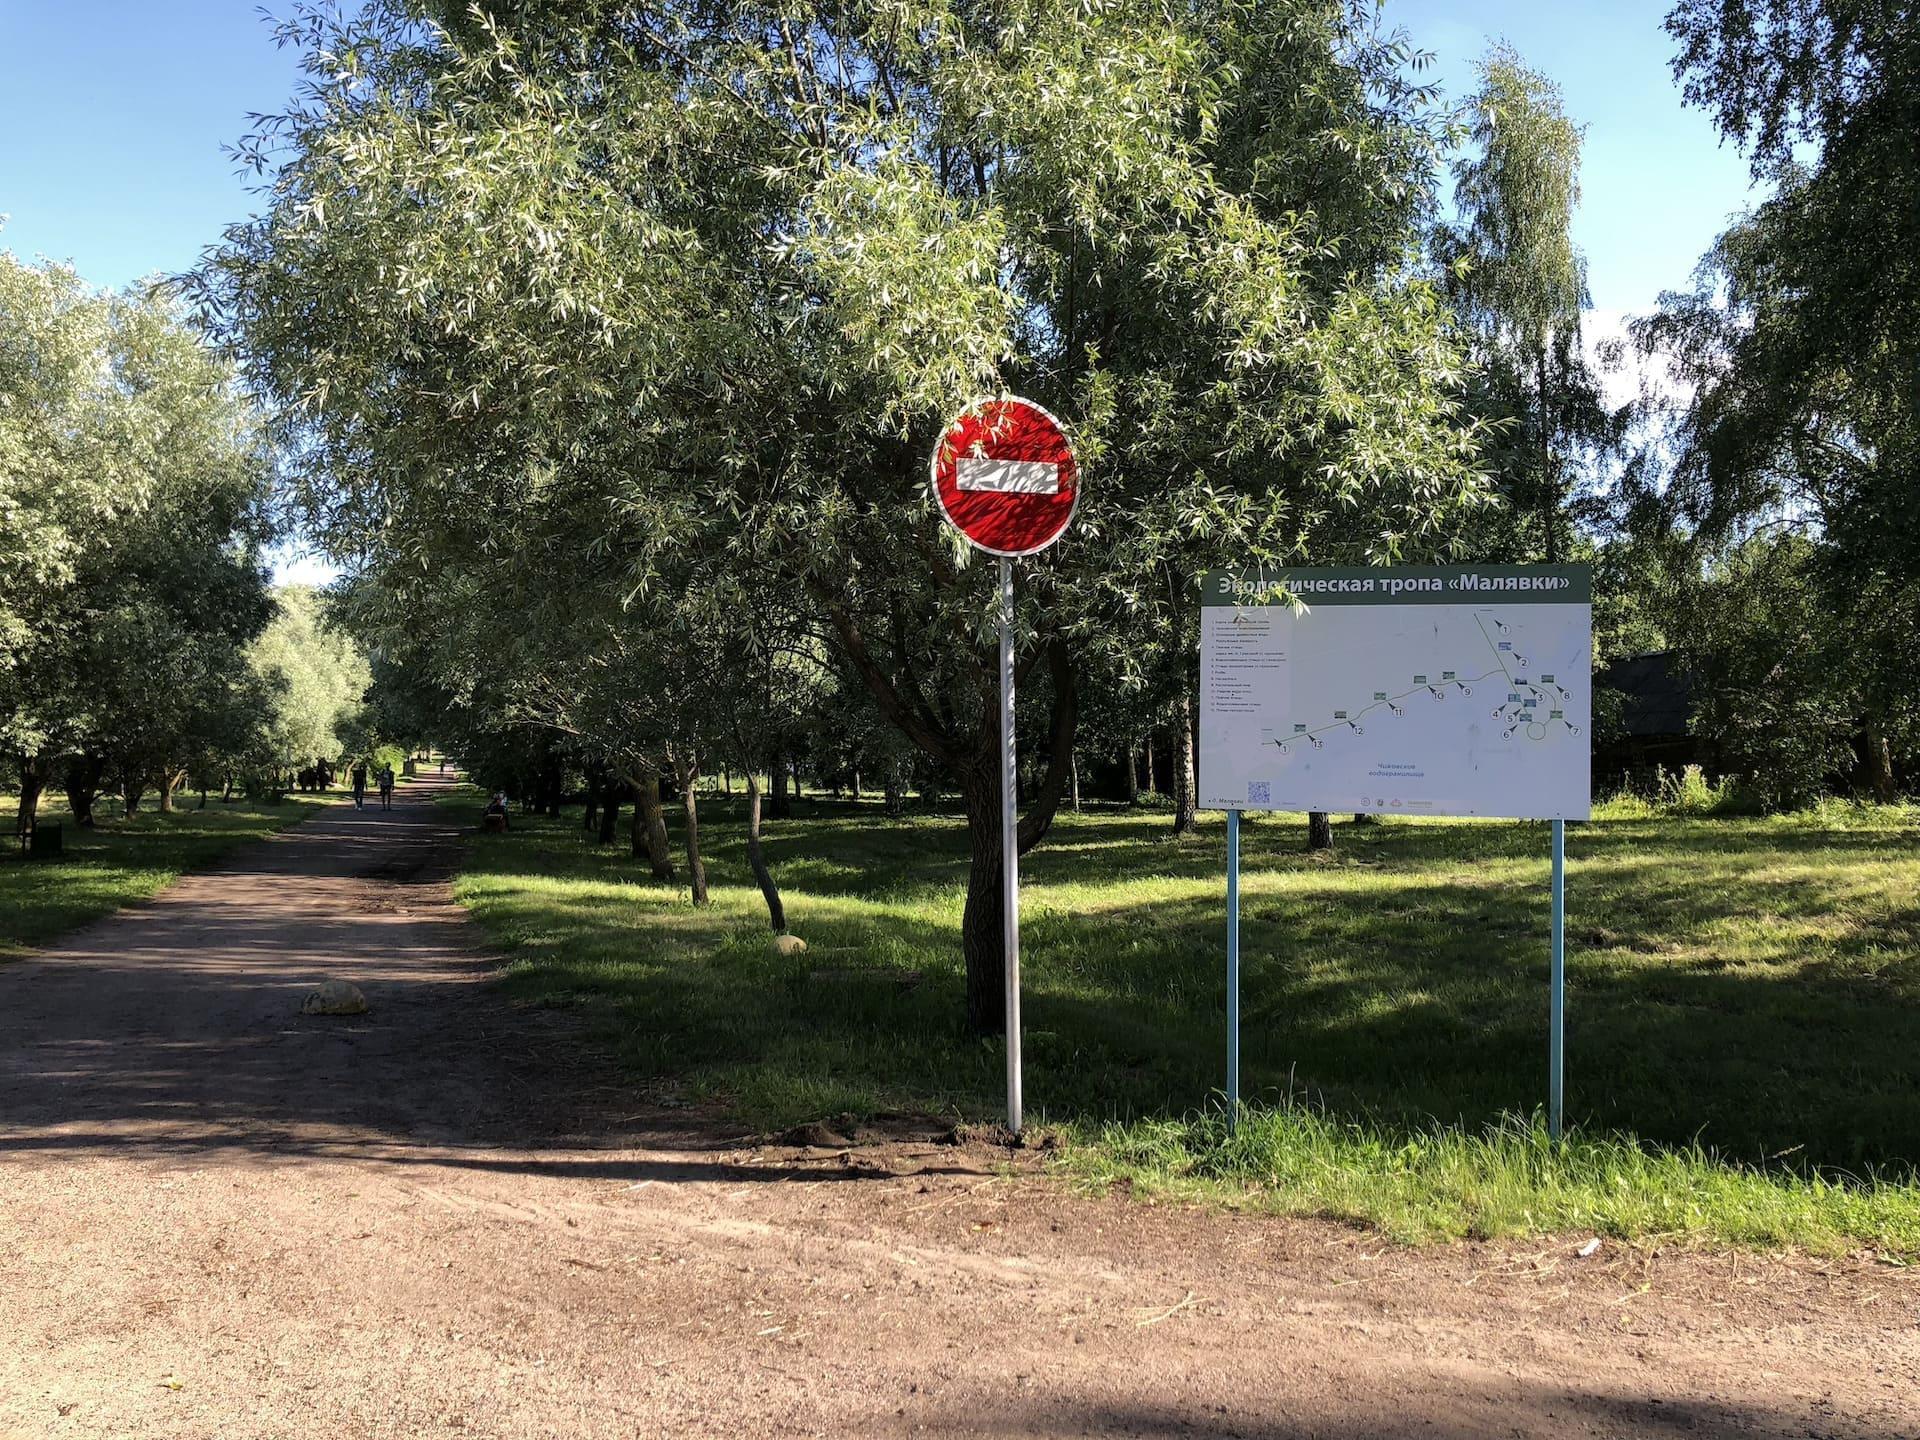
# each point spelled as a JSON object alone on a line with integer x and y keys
{"x": 359, "y": 784}
{"x": 386, "y": 787}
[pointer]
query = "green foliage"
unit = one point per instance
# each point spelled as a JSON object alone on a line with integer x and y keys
{"x": 616, "y": 313}
{"x": 1504, "y": 1179}
{"x": 1517, "y": 279}
{"x": 1523, "y": 283}
{"x": 1690, "y": 792}
{"x": 133, "y": 481}
{"x": 1798, "y": 346}
{"x": 53, "y": 398}
{"x": 320, "y": 675}
{"x": 1776, "y": 688}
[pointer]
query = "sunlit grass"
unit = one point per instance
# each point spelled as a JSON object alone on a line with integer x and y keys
{"x": 1744, "y": 1038}
{"x": 1506, "y": 1178}
{"x": 121, "y": 860}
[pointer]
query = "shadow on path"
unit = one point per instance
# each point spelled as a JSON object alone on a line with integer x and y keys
{"x": 173, "y": 1029}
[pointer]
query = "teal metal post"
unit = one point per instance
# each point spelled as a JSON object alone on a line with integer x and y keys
{"x": 1557, "y": 1019}
{"x": 1233, "y": 968}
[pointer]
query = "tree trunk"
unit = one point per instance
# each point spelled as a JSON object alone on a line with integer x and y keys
{"x": 770, "y": 892}
{"x": 982, "y": 940}
{"x": 1319, "y": 830}
{"x": 1153, "y": 787}
{"x": 609, "y": 810}
{"x": 1549, "y": 496}
{"x": 1128, "y": 769}
{"x": 1183, "y": 803}
{"x": 856, "y": 783}
{"x": 972, "y": 764}
{"x": 130, "y": 793}
{"x": 33, "y": 783}
{"x": 650, "y": 828}
{"x": 779, "y": 807}
{"x": 1193, "y": 740}
{"x": 1879, "y": 764}
{"x": 597, "y": 786}
{"x": 83, "y": 787}
{"x": 1076, "y": 782}
{"x": 896, "y": 789}
{"x": 689, "y": 774}
{"x": 167, "y": 780}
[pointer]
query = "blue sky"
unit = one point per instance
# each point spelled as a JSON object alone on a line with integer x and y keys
{"x": 1657, "y": 184}
{"x": 114, "y": 113}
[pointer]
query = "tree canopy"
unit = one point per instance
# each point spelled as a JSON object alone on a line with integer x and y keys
{"x": 581, "y": 313}
{"x": 1518, "y": 281}
{"x": 134, "y": 478}
{"x": 1799, "y": 346}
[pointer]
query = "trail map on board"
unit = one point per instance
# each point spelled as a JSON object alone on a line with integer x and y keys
{"x": 1414, "y": 690}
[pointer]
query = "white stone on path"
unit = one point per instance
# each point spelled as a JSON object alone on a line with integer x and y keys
{"x": 334, "y": 997}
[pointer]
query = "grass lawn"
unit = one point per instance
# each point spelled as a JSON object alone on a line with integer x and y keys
{"x": 1743, "y": 1033}
{"x": 120, "y": 860}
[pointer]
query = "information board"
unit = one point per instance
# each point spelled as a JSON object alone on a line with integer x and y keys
{"x": 1414, "y": 690}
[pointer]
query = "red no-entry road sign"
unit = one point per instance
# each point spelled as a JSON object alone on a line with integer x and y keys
{"x": 1005, "y": 476}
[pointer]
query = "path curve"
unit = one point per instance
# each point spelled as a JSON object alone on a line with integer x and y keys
{"x": 219, "y": 1218}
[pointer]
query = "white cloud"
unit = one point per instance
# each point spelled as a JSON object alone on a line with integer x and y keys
{"x": 1630, "y": 372}
{"x": 302, "y": 567}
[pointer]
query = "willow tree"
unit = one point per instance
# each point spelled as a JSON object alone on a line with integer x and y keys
{"x": 1802, "y": 337}
{"x": 1519, "y": 281}
{"x": 712, "y": 280}
{"x": 322, "y": 678}
{"x": 131, "y": 489}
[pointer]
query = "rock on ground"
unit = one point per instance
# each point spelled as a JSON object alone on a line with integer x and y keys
{"x": 334, "y": 997}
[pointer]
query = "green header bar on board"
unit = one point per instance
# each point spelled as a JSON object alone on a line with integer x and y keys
{"x": 1400, "y": 585}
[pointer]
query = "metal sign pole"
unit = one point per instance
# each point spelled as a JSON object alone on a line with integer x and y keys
{"x": 1004, "y": 476}
{"x": 1009, "y": 848}
{"x": 1557, "y": 1018}
{"x": 1233, "y": 969}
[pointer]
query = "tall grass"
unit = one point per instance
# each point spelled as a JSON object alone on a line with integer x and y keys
{"x": 1507, "y": 1178}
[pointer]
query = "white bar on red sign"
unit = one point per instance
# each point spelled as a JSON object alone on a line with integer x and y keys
{"x": 1007, "y": 477}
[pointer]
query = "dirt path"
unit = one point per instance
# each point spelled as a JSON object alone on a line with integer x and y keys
{"x": 221, "y": 1219}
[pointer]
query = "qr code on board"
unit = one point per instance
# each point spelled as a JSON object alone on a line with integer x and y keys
{"x": 1259, "y": 792}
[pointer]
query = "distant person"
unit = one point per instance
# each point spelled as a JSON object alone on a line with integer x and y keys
{"x": 498, "y": 806}
{"x": 443, "y": 764}
{"x": 386, "y": 787}
{"x": 360, "y": 785}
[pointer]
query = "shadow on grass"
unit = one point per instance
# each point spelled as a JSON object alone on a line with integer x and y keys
{"x": 1750, "y": 984}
